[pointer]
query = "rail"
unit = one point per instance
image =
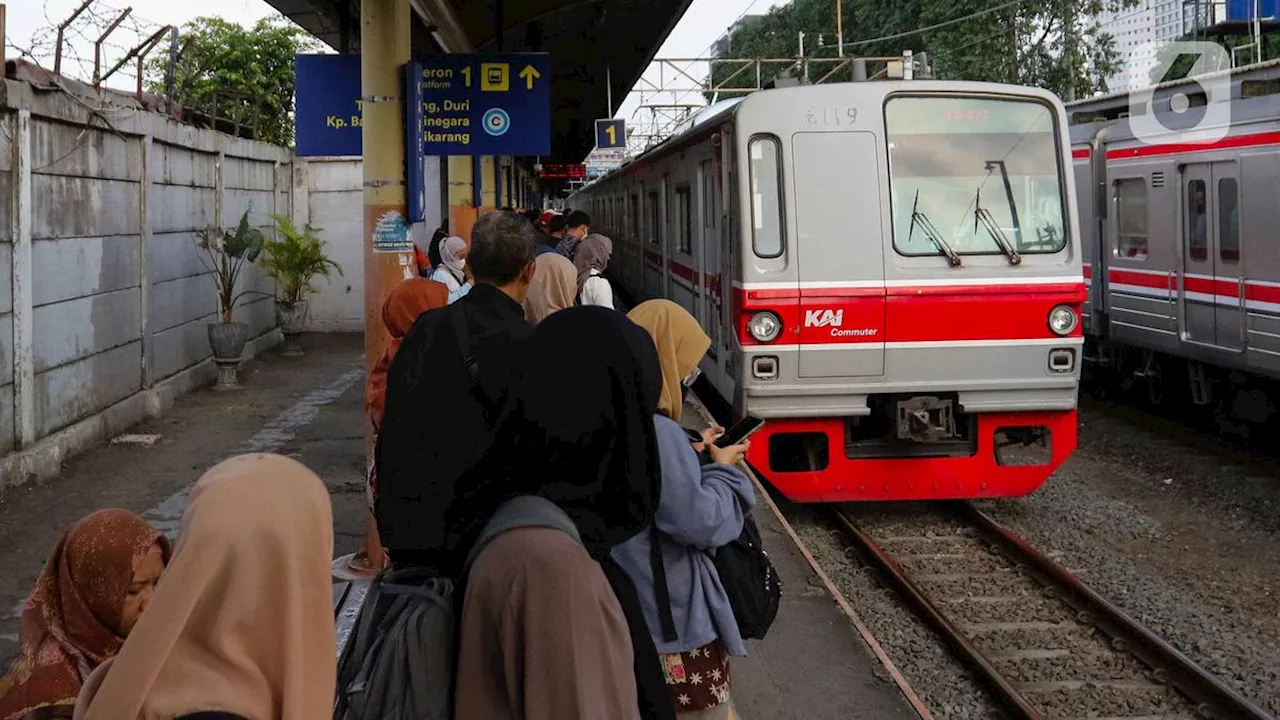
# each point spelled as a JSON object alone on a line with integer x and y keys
{"x": 1212, "y": 698}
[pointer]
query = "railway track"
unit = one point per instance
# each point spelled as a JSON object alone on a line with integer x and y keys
{"x": 1044, "y": 644}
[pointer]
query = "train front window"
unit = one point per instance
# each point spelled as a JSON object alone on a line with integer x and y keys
{"x": 974, "y": 176}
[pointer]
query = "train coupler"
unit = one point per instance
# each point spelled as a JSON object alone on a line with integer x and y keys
{"x": 926, "y": 419}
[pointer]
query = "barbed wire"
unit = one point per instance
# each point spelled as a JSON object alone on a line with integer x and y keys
{"x": 80, "y": 36}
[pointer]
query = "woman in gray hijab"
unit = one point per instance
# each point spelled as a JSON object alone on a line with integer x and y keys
{"x": 591, "y": 261}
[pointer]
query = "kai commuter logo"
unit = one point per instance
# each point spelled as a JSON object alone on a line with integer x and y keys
{"x": 824, "y": 318}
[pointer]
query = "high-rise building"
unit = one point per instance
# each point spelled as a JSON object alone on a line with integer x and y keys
{"x": 1138, "y": 31}
{"x": 722, "y": 47}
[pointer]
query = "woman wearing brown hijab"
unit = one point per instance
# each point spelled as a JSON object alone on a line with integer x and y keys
{"x": 406, "y": 302}
{"x": 95, "y": 585}
{"x": 554, "y": 287}
{"x": 243, "y": 622}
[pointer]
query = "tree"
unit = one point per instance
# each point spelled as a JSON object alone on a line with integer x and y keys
{"x": 1054, "y": 44}
{"x": 236, "y": 73}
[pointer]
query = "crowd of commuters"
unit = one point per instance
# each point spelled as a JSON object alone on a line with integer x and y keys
{"x": 512, "y": 373}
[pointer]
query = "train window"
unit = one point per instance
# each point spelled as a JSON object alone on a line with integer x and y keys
{"x": 1228, "y": 221}
{"x": 708, "y": 194}
{"x": 635, "y": 216}
{"x": 1197, "y": 221}
{"x": 684, "y": 220}
{"x": 978, "y": 175}
{"x": 1131, "y": 218}
{"x": 766, "y": 196}
{"x": 655, "y": 219}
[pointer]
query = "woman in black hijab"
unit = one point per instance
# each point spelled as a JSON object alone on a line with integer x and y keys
{"x": 586, "y": 441}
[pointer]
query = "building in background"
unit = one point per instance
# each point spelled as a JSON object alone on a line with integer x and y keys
{"x": 1134, "y": 32}
{"x": 724, "y": 46}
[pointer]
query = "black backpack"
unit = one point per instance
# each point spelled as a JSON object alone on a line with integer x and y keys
{"x": 749, "y": 580}
{"x": 400, "y": 661}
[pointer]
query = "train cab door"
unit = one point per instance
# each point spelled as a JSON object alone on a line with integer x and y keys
{"x": 1211, "y": 286}
{"x": 840, "y": 253}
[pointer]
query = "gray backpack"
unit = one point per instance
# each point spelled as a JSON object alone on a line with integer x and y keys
{"x": 400, "y": 661}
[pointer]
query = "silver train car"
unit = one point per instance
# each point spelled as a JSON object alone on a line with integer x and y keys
{"x": 1181, "y": 186}
{"x": 890, "y": 273}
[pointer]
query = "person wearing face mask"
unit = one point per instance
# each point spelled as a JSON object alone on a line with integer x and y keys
{"x": 577, "y": 226}
{"x": 453, "y": 271}
{"x": 95, "y": 586}
{"x": 446, "y": 386}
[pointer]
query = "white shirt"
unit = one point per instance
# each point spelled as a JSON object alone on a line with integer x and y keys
{"x": 456, "y": 290}
{"x": 597, "y": 291}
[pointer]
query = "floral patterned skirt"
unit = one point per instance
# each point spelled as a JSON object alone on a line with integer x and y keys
{"x": 698, "y": 679}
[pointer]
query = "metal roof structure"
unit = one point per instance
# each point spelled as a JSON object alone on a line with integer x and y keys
{"x": 583, "y": 38}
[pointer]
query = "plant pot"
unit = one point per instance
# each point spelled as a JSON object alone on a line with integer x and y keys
{"x": 292, "y": 318}
{"x": 227, "y": 340}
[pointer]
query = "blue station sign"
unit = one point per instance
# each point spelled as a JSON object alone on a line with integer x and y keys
{"x": 328, "y": 108}
{"x": 482, "y": 104}
{"x": 455, "y": 105}
{"x": 610, "y": 134}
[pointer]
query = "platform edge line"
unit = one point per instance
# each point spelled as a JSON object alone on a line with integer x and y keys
{"x": 841, "y": 601}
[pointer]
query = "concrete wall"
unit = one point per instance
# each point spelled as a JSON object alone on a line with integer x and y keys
{"x": 103, "y": 300}
{"x": 328, "y": 193}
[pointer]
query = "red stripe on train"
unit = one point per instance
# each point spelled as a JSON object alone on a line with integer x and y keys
{"x": 905, "y": 315}
{"x": 1238, "y": 141}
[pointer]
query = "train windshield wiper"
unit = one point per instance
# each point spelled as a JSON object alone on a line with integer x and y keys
{"x": 931, "y": 232}
{"x": 983, "y": 215}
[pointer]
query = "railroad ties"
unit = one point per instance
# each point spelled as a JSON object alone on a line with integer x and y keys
{"x": 1044, "y": 644}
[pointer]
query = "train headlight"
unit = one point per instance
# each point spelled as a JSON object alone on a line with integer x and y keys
{"x": 1062, "y": 320}
{"x": 764, "y": 327}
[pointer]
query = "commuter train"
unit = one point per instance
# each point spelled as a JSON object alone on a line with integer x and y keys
{"x": 1181, "y": 184}
{"x": 890, "y": 273}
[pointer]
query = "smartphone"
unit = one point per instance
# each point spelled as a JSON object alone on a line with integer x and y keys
{"x": 740, "y": 431}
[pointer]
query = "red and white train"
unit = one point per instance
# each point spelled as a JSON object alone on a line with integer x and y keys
{"x": 890, "y": 273}
{"x": 1181, "y": 185}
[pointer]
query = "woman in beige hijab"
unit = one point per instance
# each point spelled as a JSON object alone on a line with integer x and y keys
{"x": 243, "y": 622}
{"x": 554, "y": 287}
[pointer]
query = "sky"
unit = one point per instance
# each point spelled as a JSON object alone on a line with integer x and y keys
{"x": 29, "y": 24}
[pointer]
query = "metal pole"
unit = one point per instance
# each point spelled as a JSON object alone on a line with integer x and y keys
{"x": 97, "y": 46}
{"x": 839, "y": 31}
{"x": 171, "y": 73}
{"x": 804, "y": 66}
{"x": 57, "y": 53}
{"x": 608, "y": 89}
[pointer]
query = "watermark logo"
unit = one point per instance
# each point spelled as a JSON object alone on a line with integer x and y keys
{"x": 1198, "y": 112}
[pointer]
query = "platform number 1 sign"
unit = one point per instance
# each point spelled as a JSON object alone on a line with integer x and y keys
{"x": 611, "y": 134}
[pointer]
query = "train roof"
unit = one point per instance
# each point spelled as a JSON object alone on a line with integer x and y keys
{"x": 1247, "y": 81}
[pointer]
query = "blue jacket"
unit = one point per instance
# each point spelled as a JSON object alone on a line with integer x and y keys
{"x": 702, "y": 508}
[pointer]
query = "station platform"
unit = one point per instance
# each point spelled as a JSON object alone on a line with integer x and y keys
{"x": 813, "y": 664}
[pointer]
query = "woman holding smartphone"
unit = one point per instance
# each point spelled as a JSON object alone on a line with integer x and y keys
{"x": 701, "y": 508}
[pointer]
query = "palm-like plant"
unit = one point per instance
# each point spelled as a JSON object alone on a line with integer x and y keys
{"x": 294, "y": 258}
{"x": 227, "y": 253}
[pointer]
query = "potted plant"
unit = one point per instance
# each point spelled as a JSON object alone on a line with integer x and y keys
{"x": 293, "y": 259}
{"x": 225, "y": 255}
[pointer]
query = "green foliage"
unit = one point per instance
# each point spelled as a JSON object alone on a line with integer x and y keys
{"x": 242, "y": 74}
{"x": 1054, "y": 44}
{"x": 225, "y": 255}
{"x": 295, "y": 258}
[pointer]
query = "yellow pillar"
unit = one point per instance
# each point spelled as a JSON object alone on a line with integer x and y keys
{"x": 384, "y": 43}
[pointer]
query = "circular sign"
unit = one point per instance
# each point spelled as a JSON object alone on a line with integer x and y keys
{"x": 496, "y": 122}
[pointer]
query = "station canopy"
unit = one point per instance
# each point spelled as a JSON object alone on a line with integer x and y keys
{"x": 581, "y": 36}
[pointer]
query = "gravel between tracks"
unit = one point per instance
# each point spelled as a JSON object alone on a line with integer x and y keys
{"x": 944, "y": 685}
{"x": 1181, "y": 534}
